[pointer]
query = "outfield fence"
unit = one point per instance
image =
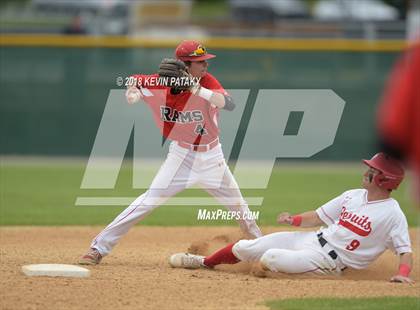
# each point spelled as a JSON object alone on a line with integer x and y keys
{"x": 54, "y": 89}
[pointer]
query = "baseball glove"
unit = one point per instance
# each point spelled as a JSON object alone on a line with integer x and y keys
{"x": 175, "y": 71}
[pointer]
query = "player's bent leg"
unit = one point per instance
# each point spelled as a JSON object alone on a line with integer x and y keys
{"x": 243, "y": 250}
{"x": 252, "y": 250}
{"x": 296, "y": 262}
{"x": 173, "y": 177}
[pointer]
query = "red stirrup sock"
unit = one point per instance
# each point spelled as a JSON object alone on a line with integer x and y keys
{"x": 223, "y": 256}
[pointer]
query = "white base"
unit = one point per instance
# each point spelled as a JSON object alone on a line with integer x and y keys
{"x": 55, "y": 270}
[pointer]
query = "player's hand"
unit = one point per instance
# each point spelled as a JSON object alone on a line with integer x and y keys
{"x": 401, "y": 279}
{"x": 133, "y": 95}
{"x": 284, "y": 218}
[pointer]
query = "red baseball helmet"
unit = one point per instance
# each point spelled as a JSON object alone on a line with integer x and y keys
{"x": 192, "y": 51}
{"x": 392, "y": 171}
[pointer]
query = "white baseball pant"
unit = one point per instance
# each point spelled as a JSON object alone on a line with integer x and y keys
{"x": 289, "y": 252}
{"x": 182, "y": 169}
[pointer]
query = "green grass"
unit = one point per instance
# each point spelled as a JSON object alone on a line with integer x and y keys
{"x": 45, "y": 194}
{"x": 382, "y": 303}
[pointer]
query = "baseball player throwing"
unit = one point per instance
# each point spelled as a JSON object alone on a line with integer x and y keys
{"x": 185, "y": 101}
{"x": 360, "y": 225}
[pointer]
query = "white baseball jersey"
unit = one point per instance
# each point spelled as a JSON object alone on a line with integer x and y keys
{"x": 360, "y": 231}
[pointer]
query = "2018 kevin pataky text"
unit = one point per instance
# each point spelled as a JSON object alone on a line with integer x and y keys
{"x": 154, "y": 81}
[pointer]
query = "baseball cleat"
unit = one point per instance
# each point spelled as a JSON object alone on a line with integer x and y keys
{"x": 186, "y": 260}
{"x": 92, "y": 257}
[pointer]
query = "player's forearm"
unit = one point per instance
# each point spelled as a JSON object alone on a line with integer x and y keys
{"x": 406, "y": 263}
{"x": 222, "y": 101}
{"x": 403, "y": 275}
{"x": 218, "y": 100}
{"x": 310, "y": 219}
{"x": 306, "y": 219}
{"x": 215, "y": 98}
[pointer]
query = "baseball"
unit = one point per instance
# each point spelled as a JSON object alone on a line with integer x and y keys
{"x": 133, "y": 95}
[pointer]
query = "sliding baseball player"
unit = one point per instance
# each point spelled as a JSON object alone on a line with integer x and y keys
{"x": 360, "y": 225}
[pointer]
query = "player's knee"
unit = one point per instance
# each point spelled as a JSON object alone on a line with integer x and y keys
{"x": 277, "y": 260}
{"x": 282, "y": 260}
{"x": 238, "y": 250}
{"x": 268, "y": 260}
{"x": 243, "y": 251}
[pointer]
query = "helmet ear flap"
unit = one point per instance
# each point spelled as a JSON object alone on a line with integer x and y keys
{"x": 385, "y": 182}
{"x": 379, "y": 179}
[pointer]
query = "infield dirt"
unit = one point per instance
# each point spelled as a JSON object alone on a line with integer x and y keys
{"x": 137, "y": 276}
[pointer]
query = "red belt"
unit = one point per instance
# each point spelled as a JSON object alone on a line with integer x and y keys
{"x": 199, "y": 147}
